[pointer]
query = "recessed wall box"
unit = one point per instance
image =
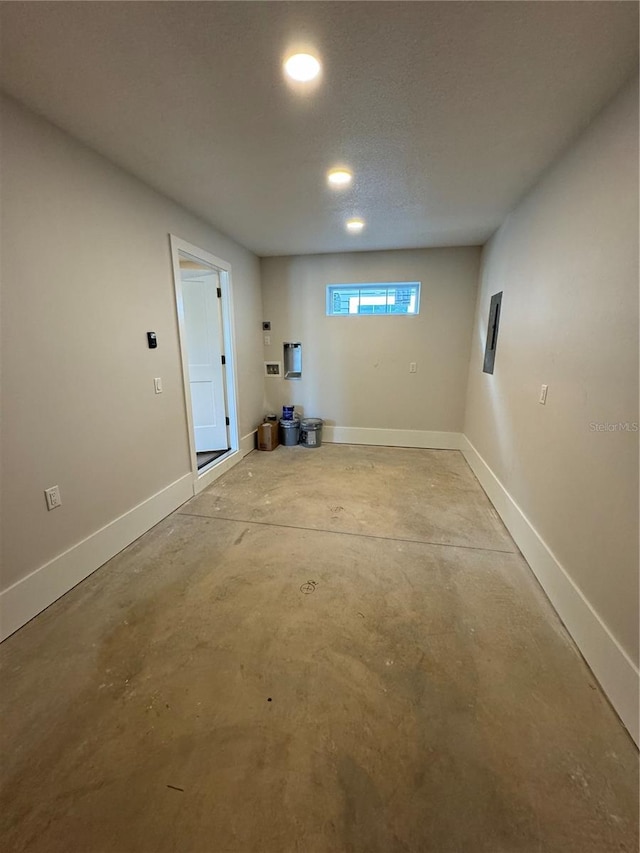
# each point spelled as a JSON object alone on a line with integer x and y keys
{"x": 292, "y": 360}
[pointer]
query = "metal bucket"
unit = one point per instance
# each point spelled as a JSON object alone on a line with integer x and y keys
{"x": 289, "y": 432}
{"x": 311, "y": 432}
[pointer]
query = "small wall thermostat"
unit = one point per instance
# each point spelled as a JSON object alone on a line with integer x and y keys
{"x": 152, "y": 340}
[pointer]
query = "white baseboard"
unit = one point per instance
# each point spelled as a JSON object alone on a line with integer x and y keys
{"x": 32, "y": 594}
{"x": 392, "y": 437}
{"x": 614, "y": 669}
{"x": 247, "y": 444}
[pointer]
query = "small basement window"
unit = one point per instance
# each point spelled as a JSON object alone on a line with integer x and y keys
{"x": 395, "y": 297}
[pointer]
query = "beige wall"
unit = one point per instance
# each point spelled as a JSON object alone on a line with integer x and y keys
{"x": 86, "y": 272}
{"x": 356, "y": 369}
{"x": 567, "y": 261}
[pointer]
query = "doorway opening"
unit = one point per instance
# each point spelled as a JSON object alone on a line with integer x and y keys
{"x": 203, "y": 301}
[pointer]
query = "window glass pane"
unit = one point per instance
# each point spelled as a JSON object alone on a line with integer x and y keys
{"x": 343, "y": 300}
{"x": 373, "y": 299}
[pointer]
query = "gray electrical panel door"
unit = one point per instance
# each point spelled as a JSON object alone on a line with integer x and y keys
{"x": 492, "y": 333}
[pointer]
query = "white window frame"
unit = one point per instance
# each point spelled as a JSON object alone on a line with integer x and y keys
{"x": 363, "y": 288}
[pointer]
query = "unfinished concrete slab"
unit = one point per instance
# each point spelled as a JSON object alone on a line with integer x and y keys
{"x": 404, "y": 493}
{"x": 234, "y": 686}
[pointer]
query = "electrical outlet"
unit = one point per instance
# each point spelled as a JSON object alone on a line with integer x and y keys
{"x": 53, "y": 497}
{"x": 157, "y": 384}
{"x": 413, "y": 367}
{"x": 542, "y": 399}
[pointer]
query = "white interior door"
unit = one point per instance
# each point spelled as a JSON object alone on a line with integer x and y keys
{"x": 203, "y": 332}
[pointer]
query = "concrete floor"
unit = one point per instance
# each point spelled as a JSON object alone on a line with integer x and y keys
{"x": 337, "y": 649}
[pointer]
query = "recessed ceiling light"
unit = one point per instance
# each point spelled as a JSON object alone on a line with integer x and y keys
{"x": 302, "y": 67}
{"x": 339, "y": 177}
{"x": 355, "y": 226}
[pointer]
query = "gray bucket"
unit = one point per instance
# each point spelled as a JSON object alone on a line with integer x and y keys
{"x": 311, "y": 432}
{"x": 289, "y": 431}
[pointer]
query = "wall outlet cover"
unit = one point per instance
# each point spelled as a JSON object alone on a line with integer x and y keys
{"x": 273, "y": 368}
{"x": 53, "y": 498}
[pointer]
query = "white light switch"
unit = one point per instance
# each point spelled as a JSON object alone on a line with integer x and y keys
{"x": 413, "y": 367}
{"x": 543, "y": 394}
{"x": 267, "y": 340}
{"x": 157, "y": 384}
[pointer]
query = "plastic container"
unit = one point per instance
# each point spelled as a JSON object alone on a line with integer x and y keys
{"x": 289, "y": 432}
{"x": 311, "y": 432}
{"x": 287, "y": 413}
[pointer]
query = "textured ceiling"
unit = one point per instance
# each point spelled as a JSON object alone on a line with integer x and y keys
{"x": 446, "y": 112}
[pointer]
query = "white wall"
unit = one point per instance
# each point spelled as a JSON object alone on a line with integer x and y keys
{"x": 356, "y": 369}
{"x": 86, "y": 272}
{"x": 567, "y": 261}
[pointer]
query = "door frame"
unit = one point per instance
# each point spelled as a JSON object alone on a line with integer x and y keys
{"x": 206, "y": 475}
